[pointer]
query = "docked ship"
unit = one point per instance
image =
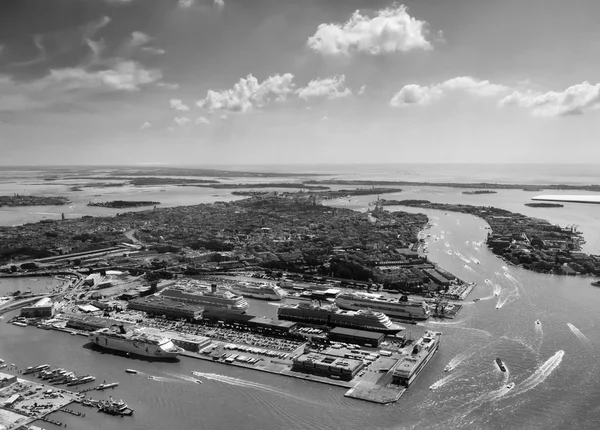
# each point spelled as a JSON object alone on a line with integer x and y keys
{"x": 135, "y": 342}
{"x": 411, "y": 365}
{"x": 332, "y": 316}
{"x": 396, "y": 308}
{"x": 264, "y": 291}
{"x": 209, "y": 298}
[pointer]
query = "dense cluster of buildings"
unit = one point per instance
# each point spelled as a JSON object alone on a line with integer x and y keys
{"x": 532, "y": 243}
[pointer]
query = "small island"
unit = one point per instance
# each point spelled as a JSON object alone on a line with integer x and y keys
{"x": 544, "y": 205}
{"x": 120, "y": 204}
{"x": 480, "y": 192}
{"x": 20, "y": 200}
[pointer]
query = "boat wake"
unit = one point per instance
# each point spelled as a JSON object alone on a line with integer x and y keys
{"x": 446, "y": 379}
{"x": 497, "y": 289}
{"x": 446, "y": 244}
{"x": 470, "y": 269}
{"x": 540, "y": 375}
{"x": 582, "y": 337}
{"x": 186, "y": 378}
{"x": 241, "y": 383}
{"x": 449, "y": 252}
{"x": 539, "y": 334}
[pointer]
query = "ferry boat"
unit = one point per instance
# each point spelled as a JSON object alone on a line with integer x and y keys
{"x": 400, "y": 308}
{"x": 264, "y": 291}
{"x": 209, "y": 297}
{"x": 331, "y": 315}
{"x": 135, "y": 342}
{"x": 411, "y": 365}
{"x": 33, "y": 369}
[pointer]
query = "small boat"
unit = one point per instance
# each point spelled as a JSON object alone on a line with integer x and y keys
{"x": 132, "y": 371}
{"x": 510, "y": 386}
{"x": 501, "y": 365}
{"x": 448, "y": 368}
{"x": 538, "y": 322}
{"x": 106, "y": 386}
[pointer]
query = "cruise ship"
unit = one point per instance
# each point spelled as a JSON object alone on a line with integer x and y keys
{"x": 402, "y": 308}
{"x": 411, "y": 365}
{"x": 209, "y": 297}
{"x": 135, "y": 342}
{"x": 264, "y": 291}
{"x": 331, "y": 315}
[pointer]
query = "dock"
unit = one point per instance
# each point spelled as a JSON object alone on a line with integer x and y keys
{"x": 375, "y": 393}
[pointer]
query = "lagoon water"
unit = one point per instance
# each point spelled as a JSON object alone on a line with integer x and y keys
{"x": 553, "y": 364}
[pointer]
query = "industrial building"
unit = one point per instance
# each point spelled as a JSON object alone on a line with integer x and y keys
{"x": 90, "y": 323}
{"x": 6, "y": 379}
{"x": 43, "y": 308}
{"x": 327, "y": 365}
{"x": 358, "y": 337}
{"x": 161, "y": 306}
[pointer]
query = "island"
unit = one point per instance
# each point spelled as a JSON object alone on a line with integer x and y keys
{"x": 21, "y": 200}
{"x": 120, "y": 204}
{"x": 532, "y": 243}
{"x": 480, "y": 192}
{"x": 544, "y": 205}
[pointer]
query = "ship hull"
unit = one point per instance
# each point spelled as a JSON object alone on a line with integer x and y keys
{"x": 135, "y": 348}
{"x": 333, "y": 323}
{"x": 399, "y": 313}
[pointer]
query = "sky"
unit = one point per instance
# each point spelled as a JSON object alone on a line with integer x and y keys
{"x": 201, "y": 82}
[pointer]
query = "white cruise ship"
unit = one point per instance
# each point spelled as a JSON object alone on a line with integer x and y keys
{"x": 402, "y": 308}
{"x": 135, "y": 342}
{"x": 263, "y": 291}
{"x": 208, "y": 297}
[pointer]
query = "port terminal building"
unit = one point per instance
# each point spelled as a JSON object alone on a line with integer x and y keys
{"x": 358, "y": 337}
{"x": 91, "y": 323}
{"x": 43, "y": 308}
{"x": 158, "y": 305}
{"x": 326, "y": 365}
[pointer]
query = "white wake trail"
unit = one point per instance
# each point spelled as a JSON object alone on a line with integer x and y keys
{"x": 540, "y": 375}
{"x": 582, "y": 337}
{"x": 445, "y": 380}
{"x": 240, "y": 383}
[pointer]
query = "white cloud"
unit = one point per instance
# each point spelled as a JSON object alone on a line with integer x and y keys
{"x": 362, "y": 90}
{"x": 331, "y": 88}
{"x": 138, "y": 39}
{"x": 179, "y": 105}
{"x": 223, "y": 117}
{"x": 124, "y": 75}
{"x": 324, "y": 118}
{"x": 181, "y": 121}
{"x": 416, "y": 94}
{"x": 249, "y": 93}
{"x": 422, "y": 95}
{"x": 153, "y": 50}
{"x": 145, "y": 125}
{"x": 574, "y": 100}
{"x": 219, "y": 4}
{"x": 391, "y": 30}
{"x": 184, "y": 4}
{"x": 168, "y": 85}
{"x": 202, "y": 120}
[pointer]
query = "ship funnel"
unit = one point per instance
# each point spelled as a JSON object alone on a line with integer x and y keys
{"x": 213, "y": 288}
{"x": 122, "y": 329}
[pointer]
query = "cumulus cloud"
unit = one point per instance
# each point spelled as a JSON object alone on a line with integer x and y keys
{"x": 202, "y": 120}
{"x": 390, "y": 30}
{"x": 138, "y": 39}
{"x": 414, "y": 94}
{"x": 181, "y": 121}
{"x": 331, "y": 88}
{"x": 168, "y": 85}
{"x": 145, "y": 125}
{"x": 249, "y": 93}
{"x": 219, "y": 4}
{"x": 574, "y": 100}
{"x": 153, "y": 50}
{"x": 179, "y": 105}
{"x": 362, "y": 90}
{"x": 184, "y": 4}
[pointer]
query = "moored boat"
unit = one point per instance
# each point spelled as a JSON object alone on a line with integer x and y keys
{"x": 500, "y": 364}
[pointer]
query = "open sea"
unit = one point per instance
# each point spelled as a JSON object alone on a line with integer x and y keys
{"x": 553, "y": 364}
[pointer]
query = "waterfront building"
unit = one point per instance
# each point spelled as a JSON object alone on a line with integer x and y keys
{"x": 43, "y": 308}
{"x": 91, "y": 323}
{"x": 358, "y": 337}
{"x": 326, "y": 365}
{"x": 7, "y": 379}
{"x": 163, "y": 306}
